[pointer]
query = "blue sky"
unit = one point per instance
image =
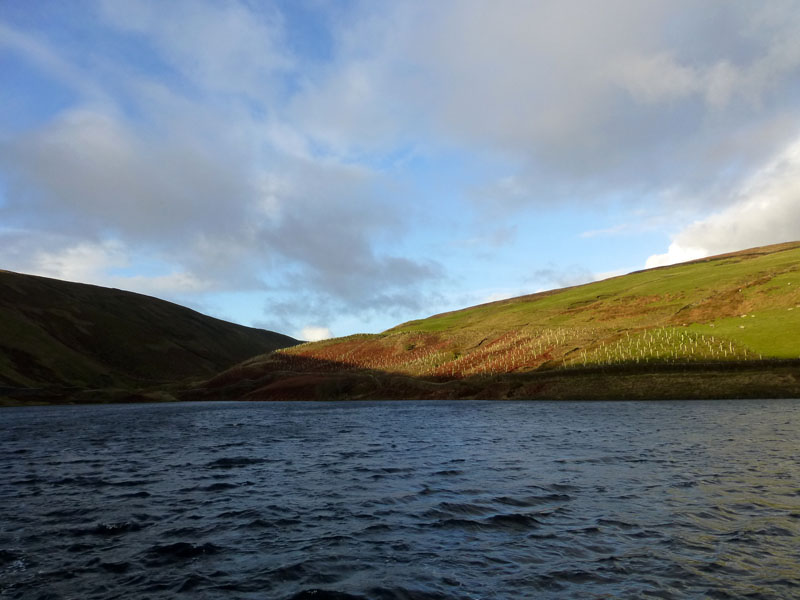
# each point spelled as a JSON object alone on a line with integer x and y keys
{"x": 325, "y": 168}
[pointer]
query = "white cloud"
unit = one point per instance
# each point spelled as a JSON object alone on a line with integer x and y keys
{"x": 83, "y": 261}
{"x": 501, "y": 295}
{"x": 766, "y": 211}
{"x": 223, "y": 47}
{"x": 45, "y": 58}
{"x": 613, "y": 273}
{"x": 98, "y": 263}
{"x": 313, "y": 333}
{"x": 177, "y": 283}
{"x": 676, "y": 253}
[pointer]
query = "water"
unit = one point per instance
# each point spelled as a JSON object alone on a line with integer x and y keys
{"x": 401, "y": 500}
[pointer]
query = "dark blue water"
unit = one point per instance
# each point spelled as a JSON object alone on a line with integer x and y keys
{"x": 401, "y": 500}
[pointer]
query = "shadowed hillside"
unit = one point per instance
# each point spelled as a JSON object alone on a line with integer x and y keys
{"x": 55, "y": 334}
{"x": 730, "y": 322}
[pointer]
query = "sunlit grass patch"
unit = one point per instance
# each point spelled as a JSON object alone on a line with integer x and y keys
{"x": 773, "y": 333}
{"x": 663, "y": 345}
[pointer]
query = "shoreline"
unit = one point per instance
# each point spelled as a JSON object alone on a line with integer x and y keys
{"x": 769, "y": 379}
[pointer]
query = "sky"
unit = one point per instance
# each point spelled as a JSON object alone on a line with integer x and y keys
{"x": 321, "y": 168}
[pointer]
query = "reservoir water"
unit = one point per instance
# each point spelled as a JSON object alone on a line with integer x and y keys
{"x": 401, "y": 500}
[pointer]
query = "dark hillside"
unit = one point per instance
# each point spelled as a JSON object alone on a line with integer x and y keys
{"x": 60, "y": 334}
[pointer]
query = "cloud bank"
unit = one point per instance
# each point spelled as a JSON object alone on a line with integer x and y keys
{"x": 323, "y": 158}
{"x": 766, "y": 210}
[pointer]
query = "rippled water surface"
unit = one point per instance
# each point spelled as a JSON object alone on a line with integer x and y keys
{"x": 401, "y": 500}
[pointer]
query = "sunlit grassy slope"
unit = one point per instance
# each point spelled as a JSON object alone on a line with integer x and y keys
{"x": 743, "y": 306}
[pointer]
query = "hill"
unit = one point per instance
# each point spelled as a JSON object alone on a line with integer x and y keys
{"x": 724, "y": 326}
{"x": 58, "y": 338}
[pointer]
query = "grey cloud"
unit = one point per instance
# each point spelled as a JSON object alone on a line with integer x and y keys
{"x": 290, "y": 314}
{"x": 582, "y": 98}
{"x": 326, "y": 225}
{"x": 224, "y": 221}
{"x": 93, "y": 172}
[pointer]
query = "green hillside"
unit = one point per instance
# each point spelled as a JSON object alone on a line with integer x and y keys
{"x": 745, "y": 300}
{"x": 735, "y": 311}
{"x": 60, "y": 335}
